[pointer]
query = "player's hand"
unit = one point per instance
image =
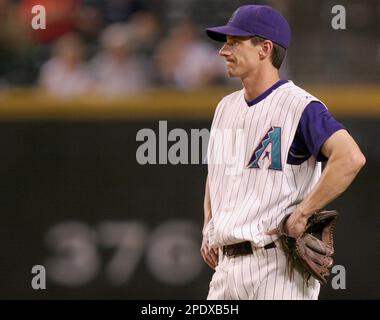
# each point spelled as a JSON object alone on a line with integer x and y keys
{"x": 210, "y": 255}
{"x": 295, "y": 225}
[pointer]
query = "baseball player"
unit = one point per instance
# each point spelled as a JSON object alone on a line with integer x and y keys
{"x": 265, "y": 151}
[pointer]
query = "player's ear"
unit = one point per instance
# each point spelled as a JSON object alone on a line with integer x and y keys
{"x": 266, "y": 49}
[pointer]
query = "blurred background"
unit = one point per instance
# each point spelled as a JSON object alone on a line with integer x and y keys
{"x": 74, "y": 96}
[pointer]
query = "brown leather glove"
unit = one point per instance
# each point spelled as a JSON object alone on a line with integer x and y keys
{"x": 313, "y": 250}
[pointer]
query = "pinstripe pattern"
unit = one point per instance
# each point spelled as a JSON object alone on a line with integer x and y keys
{"x": 251, "y": 201}
{"x": 271, "y": 280}
{"x": 247, "y": 204}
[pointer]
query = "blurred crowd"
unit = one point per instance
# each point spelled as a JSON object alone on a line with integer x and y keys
{"x": 113, "y": 48}
{"x": 122, "y": 47}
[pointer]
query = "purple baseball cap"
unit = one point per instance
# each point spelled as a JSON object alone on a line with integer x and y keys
{"x": 254, "y": 20}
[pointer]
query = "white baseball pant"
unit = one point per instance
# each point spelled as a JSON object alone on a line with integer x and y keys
{"x": 263, "y": 275}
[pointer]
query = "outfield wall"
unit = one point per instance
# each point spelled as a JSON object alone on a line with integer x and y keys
{"x": 75, "y": 200}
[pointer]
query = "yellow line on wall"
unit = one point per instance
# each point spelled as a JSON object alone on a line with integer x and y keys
{"x": 351, "y": 101}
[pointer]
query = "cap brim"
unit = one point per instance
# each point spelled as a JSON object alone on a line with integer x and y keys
{"x": 220, "y": 33}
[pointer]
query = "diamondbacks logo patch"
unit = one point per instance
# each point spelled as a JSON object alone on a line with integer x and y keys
{"x": 268, "y": 148}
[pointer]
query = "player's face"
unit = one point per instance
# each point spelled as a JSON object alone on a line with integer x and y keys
{"x": 241, "y": 56}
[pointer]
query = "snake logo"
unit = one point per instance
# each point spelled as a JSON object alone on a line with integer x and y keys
{"x": 273, "y": 138}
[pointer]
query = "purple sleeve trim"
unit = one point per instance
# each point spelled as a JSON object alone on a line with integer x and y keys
{"x": 315, "y": 127}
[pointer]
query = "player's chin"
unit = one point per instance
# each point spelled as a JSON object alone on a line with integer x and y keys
{"x": 231, "y": 73}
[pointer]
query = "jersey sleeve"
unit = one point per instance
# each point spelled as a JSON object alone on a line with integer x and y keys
{"x": 315, "y": 127}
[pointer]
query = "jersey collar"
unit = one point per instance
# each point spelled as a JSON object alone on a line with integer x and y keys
{"x": 266, "y": 93}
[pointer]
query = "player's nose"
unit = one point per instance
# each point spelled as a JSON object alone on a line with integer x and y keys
{"x": 224, "y": 51}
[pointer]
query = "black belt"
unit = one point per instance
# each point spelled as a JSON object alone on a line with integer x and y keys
{"x": 243, "y": 248}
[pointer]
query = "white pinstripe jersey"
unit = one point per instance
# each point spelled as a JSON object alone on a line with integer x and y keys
{"x": 251, "y": 185}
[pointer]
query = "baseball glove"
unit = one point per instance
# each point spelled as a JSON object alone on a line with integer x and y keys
{"x": 313, "y": 250}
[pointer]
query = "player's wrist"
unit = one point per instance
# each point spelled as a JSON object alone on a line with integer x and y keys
{"x": 303, "y": 213}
